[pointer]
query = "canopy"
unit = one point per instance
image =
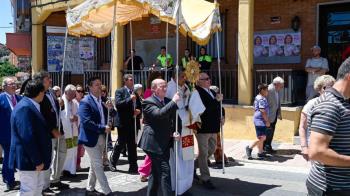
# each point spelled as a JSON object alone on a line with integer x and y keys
{"x": 198, "y": 18}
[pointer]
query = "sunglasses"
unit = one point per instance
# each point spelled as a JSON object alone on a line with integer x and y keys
{"x": 206, "y": 79}
{"x": 80, "y": 91}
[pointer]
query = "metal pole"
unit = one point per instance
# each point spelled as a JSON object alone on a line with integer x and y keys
{"x": 110, "y": 73}
{"x": 58, "y": 117}
{"x": 219, "y": 72}
{"x": 166, "y": 51}
{"x": 132, "y": 73}
{"x": 177, "y": 87}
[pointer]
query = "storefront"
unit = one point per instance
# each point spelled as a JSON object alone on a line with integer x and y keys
{"x": 287, "y": 30}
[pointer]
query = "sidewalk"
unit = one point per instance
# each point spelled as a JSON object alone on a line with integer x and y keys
{"x": 288, "y": 155}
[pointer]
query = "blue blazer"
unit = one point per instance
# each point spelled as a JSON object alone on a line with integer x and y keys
{"x": 90, "y": 121}
{"x": 5, "y": 116}
{"x": 30, "y": 139}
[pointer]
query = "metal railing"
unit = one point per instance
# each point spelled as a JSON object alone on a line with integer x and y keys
{"x": 293, "y": 92}
{"x": 57, "y": 76}
{"x": 229, "y": 80}
{"x": 104, "y": 75}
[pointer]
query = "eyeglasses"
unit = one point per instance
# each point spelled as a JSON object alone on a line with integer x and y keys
{"x": 80, "y": 91}
{"x": 11, "y": 84}
{"x": 206, "y": 79}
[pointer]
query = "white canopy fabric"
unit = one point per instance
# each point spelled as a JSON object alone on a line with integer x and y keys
{"x": 198, "y": 18}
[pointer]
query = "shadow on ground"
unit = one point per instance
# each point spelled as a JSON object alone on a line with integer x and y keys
{"x": 231, "y": 187}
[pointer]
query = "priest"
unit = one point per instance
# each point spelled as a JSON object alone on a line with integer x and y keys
{"x": 190, "y": 107}
{"x": 69, "y": 119}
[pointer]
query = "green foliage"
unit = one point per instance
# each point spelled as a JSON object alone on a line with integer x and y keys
{"x": 4, "y": 51}
{"x": 6, "y": 69}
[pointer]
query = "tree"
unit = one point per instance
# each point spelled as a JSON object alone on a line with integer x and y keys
{"x": 6, "y": 69}
{"x": 4, "y": 51}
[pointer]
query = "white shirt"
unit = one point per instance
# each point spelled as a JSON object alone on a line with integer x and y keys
{"x": 100, "y": 108}
{"x": 315, "y": 63}
{"x": 36, "y": 104}
{"x": 9, "y": 97}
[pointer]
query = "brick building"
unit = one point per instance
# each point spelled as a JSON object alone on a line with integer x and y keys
{"x": 322, "y": 22}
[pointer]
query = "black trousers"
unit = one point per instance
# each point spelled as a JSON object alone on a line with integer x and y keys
{"x": 269, "y": 135}
{"x": 160, "y": 174}
{"x": 314, "y": 191}
{"x": 126, "y": 137}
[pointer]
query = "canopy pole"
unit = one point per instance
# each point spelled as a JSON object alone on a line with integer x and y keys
{"x": 166, "y": 51}
{"x": 62, "y": 83}
{"x": 110, "y": 75}
{"x": 177, "y": 89}
{"x": 219, "y": 72}
{"x": 132, "y": 73}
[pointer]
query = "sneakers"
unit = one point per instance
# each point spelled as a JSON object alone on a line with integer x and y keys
{"x": 48, "y": 192}
{"x": 248, "y": 152}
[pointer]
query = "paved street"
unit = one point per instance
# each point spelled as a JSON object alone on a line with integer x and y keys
{"x": 283, "y": 175}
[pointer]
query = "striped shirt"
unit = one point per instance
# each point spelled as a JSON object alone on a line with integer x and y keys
{"x": 331, "y": 116}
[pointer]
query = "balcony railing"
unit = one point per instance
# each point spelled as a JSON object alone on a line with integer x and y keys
{"x": 228, "y": 80}
{"x": 57, "y": 76}
{"x": 104, "y": 75}
{"x": 293, "y": 92}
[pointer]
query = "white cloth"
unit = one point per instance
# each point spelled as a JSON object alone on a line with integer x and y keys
{"x": 96, "y": 171}
{"x": 188, "y": 116}
{"x": 307, "y": 110}
{"x": 71, "y": 134}
{"x": 32, "y": 183}
{"x": 59, "y": 150}
{"x": 321, "y": 63}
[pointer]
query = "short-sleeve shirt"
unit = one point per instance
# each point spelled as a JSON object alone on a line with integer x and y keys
{"x": 260, "y": 102}
{"x": 137, "y": 63}
{"x": 331, "y": 116}
{"x": 315, "y": 63}
{"x": 307, "y": 111}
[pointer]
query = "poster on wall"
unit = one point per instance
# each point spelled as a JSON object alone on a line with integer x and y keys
{"x": 277, "y": 47}
{"x": 80, "y": 54}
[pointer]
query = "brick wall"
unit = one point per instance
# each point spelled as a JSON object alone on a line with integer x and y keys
{"x": 287, "y": 9}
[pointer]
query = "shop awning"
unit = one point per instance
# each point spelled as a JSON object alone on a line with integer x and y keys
{"x": 198, "y": 18}
{"x": 19, "y": 43}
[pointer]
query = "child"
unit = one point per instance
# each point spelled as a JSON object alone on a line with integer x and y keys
{"x": 261, "y": 121}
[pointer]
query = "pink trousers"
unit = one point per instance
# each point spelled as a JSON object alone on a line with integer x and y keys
{"x": 145, "y": 168}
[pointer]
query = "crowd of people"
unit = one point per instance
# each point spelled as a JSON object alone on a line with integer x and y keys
{"x": 165, "y": 60}
{"x": 61, "y": 125}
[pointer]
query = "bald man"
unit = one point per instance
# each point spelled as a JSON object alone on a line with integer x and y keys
{"x": 159, "y": 120}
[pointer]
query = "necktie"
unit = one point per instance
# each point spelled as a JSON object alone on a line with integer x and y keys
{"x": 162, "y": 102}
{"x": 13, "y": 100}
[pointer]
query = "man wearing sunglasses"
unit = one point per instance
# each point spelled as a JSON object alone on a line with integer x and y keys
{"x": 207, "y": 134}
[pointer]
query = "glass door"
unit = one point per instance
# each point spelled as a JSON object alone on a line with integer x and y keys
{"x": 334, "y": 34}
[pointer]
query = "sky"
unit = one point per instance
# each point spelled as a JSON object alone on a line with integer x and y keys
{"x": 5, "y": 19}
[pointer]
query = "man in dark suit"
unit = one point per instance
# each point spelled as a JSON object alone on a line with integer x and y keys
{"x": 50, "y": 107}
{"x": 156, "y": 140}
{"x": 93, "y": 127}
{"x": 127, "y": 108}
{"x": 207, "y": 134}
{"x": 8, "y": 101}
{"x": 30, "y": 151}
